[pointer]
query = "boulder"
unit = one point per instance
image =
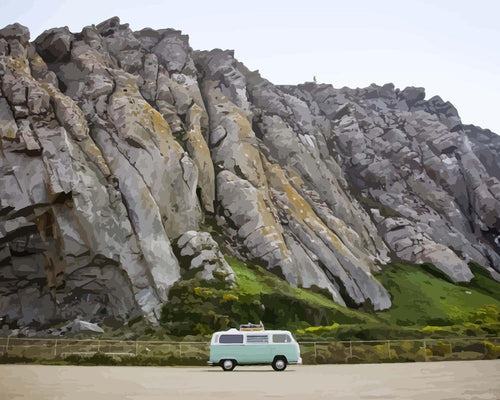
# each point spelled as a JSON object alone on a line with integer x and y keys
{"x": 54, "y": 45}
{"x": 413, "y": 95}
{"x": 17, "y": 32}
{"x": 79, "y": 326}
{"x": 172, "y": 50}
{"x": 204, "y": 257}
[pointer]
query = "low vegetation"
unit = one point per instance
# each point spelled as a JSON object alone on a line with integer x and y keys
{"x": 425, "y": 304}
{"x": 200, "y": 307}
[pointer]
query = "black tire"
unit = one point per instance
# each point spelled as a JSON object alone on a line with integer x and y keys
{"x": 279, "y": 363}
{"x": 227, "y": 365}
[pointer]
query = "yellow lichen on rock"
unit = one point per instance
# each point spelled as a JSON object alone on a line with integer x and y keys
{"x": 19, "y": 65}
{"x": 36, "y": 61}
{"x": 9, "y": 133}
{"x": 137, "y": 121}
{"x": 73, "y": 120}
{"x": 293, "y": 177}
{"x": 298, "y": 207}
{"x": 271, "y": 229}
{"x": 200, "y": 153}
{"x": 68, "y": 113}
{"x": 237, "y": 148}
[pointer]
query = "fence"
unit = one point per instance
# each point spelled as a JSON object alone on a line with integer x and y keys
{"x": 197, "y": 353}
{"x": 374, "y": 351}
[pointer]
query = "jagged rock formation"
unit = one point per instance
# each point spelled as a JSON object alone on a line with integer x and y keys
{"x": 203, "y": 257}
{"x": 115, "y": 144}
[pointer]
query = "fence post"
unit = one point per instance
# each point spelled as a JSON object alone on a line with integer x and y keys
{"x": 180, "y": 350}
{"x": 425, "y": 351}
{"x": 98, "y": 346}
{"x": 55, "y": 349}
{"x": 350, "y": 348}
{"x": 315, "y": 354}
{"x": 389, "y": 348}
{"x": 7, "y": 347}
{"x": 136, "y": 345}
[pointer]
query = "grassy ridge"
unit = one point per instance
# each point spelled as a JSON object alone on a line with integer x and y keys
{"x": 425, "y": 303}
{"x": 200, "y": 307}
{"x": 422, "y": 297}
{"x": 256, "y": 280}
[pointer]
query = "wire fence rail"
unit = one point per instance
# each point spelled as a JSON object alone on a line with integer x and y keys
{"x": 312, "y": 352}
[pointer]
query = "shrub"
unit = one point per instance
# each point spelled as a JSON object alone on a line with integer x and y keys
{"x": 440, "y": 348}
{"x": 12, "y": 359}
{"x": 492, "y": 351}
{"x": 489, "y": 313}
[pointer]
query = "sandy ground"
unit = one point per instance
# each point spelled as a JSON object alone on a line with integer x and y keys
{"x": 427, "y": 381}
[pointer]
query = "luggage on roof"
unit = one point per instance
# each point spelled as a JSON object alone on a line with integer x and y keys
{"x": 252, "y": 327}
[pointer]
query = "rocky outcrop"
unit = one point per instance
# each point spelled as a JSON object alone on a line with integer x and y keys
{"x": 79, "y": 326}
{"x": 100, "y": 182}
{"x": 486, "y": 146}
{"x": 251, "y": 204}
{"x": 115, "y": 145}
{"x": 203, "y": 258}
{"x": 409, "y": 156}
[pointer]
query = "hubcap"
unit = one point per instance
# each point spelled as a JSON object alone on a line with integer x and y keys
{"x": 228, "y": 364}
{"x": 280, "y": 364}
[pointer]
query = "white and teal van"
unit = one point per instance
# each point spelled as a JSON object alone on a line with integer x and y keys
{"x": 233, "y": 347}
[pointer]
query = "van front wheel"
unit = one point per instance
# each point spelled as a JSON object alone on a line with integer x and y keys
{"x": 228, "y": 365}
{"x": 279, "y": 363}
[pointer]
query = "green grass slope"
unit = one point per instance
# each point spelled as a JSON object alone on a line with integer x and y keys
{"x": 425, "y": 303}
{"x": 422, "y": 296}
{"x": 200, "y": 307}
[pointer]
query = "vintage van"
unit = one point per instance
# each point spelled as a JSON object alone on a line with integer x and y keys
{"x": 233, "y": 347}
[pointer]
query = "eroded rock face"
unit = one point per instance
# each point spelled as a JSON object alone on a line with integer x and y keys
{"x": 115, "y": 143}
{"x": 100, "y": 182}
{"x": 252, "y": 205}
{"x": 412, "y": 156}
{"x": 204, "y": 257}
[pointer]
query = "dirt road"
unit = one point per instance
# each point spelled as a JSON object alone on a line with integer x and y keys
{"x": 427, "y": 381}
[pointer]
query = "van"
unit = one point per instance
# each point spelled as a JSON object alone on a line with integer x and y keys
{"x": 232, "y": 347}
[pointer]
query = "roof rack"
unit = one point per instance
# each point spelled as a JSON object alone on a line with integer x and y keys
{"x": 252, "y": 327}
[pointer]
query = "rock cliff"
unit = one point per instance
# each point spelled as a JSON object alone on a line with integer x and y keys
{"x": 117, "y": 146}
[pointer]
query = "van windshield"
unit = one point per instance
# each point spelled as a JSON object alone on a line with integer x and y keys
{"x": 231, "y": 339}
{"x": 282, "y": 338}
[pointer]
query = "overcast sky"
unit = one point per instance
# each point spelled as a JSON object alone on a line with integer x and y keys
{"x": 449, "y": 47}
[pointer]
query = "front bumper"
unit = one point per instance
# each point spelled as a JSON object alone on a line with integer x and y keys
{"x": 211, "y": 363}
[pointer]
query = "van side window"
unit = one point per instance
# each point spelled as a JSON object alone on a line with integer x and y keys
{"x": 231, "y": 339}
{"x": 282, "y": 338}
{"x": 257, "y": 339}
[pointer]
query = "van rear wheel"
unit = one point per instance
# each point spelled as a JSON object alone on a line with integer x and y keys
{"x": 279, "y": 363}
{"x": 227, "y": 365}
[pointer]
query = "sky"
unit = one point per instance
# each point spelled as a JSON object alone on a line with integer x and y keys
{"x": 451, "y": 48}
